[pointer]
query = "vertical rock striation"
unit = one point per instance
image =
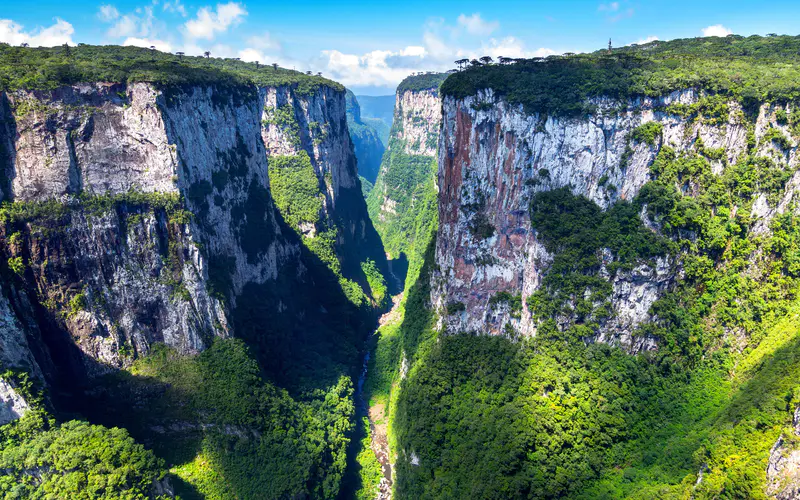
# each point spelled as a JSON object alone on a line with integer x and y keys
{"x": 493, "y": 157}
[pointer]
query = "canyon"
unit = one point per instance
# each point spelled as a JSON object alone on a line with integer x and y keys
{"x": 574, "y": 277}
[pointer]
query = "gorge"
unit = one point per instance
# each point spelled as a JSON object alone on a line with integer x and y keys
{"x": 574, "y": 277}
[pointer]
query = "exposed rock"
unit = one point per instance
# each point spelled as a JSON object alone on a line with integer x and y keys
{"x": 12, "y": 404}
{"x": 783, "y": 468}
{"x": 493, "y": 157}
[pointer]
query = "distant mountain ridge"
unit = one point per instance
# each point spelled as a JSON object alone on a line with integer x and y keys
{"x": 378, "y": 111}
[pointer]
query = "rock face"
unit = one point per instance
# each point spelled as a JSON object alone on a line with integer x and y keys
{"x": 408, "y": 169}
{"x": 418, "y": 115}
{"x": 141, "y": 214}
{"x": 493, "y": 157}
{"x": 783, "y": 469}
{"x": 366, "y": 141}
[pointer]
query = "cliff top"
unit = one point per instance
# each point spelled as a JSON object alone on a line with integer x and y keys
{"x": 748, "y": 69}
{"x": 47, "y": 68}
{"x": 416, "y": 83}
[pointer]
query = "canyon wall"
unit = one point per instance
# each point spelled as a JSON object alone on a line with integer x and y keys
{"x": 143, "y": 214}
{"x": 493, "y": 157}
{"x": 407, "y": 175}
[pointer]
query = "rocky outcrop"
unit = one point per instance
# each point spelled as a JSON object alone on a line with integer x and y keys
{"x": 408, "y": 168}
{"x": 367, "y": 144}
{"x": 317, "y": 125}
{"x": 12, "y": 404}
{"x": 783, "y": 468}
{"x": 418, "y": 116}
{"x": 142, "y": 213}
{"x": 494, "y": 156}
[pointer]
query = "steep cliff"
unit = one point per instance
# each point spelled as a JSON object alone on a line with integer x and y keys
{"x": 620, "y": 230}
{"x": 406, "y": 178}
{"x": 143, "y": 222}
{"x": 367, "y": 144}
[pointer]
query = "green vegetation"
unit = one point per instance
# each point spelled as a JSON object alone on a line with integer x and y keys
{"x": 76, "y": 460}
{"x": 418, "y": 83}
{"x": 295, "y": 189}
{"x": 244, "y": 436}
{"x": 647, "y": 133}
{"x": 48, "y": 68}
{"x": 54, "y": 212}
{"x": 17, "y": 264}
{"x": 749, "y": 70}
{"x": 554, "y": 417}
{"x": 284, "y": 118}
{"x": 366, "y": 187}
{"x": 297, "y": 194}
{"x": 513, "y": 302}
{"x": 407, "y": 180}
{"x": 377, "y": 283}
{"x": 575, "y": 230}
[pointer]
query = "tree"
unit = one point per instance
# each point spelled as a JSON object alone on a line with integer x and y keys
{"x": 475, "y": 62}
{"x": 256, "y": 64}
{"x": 319, "y": 73}
{"x": 486, "y": 60}
{"x": 180, "y": 55}
{"x": 505, "y": 60}
{"x": 207, "y": 54}
{"x": 274, "y": 65}
{"x": 67, "y": 52}
{"x": 24, "y": 44}
{"x": 308, "y": 72}
{"x": 461, "y": 63}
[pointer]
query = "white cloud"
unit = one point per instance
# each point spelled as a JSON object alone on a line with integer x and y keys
{"x": 147, "y": 43}
{"x": 107, "y": 13}
{"x": 646, "y": 40}
{"x": 475, "y": 25}
{"x": 609, "y": 7}
{"x": 716, "y": 30}
{"x": 386, "y": 68}
{"x": 208, "y": 22}
{"x": 126, "y": 26}
{"x": 175, "y": 6}
{"x": 264, "y": 42}
{"x": 58, "y": 34}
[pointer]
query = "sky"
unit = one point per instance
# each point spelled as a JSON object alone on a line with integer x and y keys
{"x": 371, "y": 46}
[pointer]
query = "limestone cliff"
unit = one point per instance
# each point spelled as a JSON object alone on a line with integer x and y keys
{"x": 141, "y": 214}
{"x": 406, "y": 177}
{"x": 493, "y": 157}
{"x": 367, "y": 144}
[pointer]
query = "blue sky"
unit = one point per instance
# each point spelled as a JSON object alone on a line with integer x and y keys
{"x": 370, "y": 47}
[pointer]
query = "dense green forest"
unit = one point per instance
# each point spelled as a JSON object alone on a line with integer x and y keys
{"x": 555, "y": 417}
{"x": 271, "y": 413}
{"x": 47, "y": 68}
{"x": 749, "y": 69}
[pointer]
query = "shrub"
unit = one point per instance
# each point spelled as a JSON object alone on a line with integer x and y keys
{"x": 17, "y": 265}
{"x": 648, "y": 133}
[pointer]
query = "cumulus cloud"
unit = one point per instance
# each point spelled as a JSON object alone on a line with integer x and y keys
{"x": 386, "y": 68}
{"x": 475, "y": 25}
{"x": 107, "y": 13}
{"x": 646, "y": 40}
{"x": 716, "y": 30}
{"x": 264, "y": 42}
{"x": 147, "y": 43}
{"x": 209, "y": 23}
{"x": 58, "y": 34}
{"x": 175, "y": 6}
